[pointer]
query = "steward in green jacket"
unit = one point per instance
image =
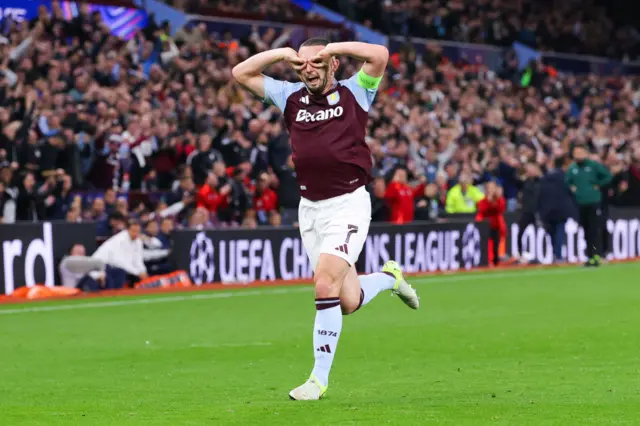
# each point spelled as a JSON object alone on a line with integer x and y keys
{"x": 585, "y": 178}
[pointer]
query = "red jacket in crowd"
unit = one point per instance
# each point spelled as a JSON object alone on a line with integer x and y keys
{"x": 266, "y": 201}
{"x": 400, "y": 198}
{"x": 493, "y": 211}
{"x": 210, "y": 198}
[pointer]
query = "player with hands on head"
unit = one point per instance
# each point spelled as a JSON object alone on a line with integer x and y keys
{"x": 327, "y": 122}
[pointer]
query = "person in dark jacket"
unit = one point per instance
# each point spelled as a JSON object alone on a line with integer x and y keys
{"x": 29, "y": 204}
{"x": 555, "y": 205}
{"x": 288, "y": 191}
{"x": 629, "y": 184}
{"x": 427, "y": 204}
{"x": 530, "y": 195}
{"x": 202, "y": 160}
{"x": 585, "y": 179}
{"x": 379, "y": 208}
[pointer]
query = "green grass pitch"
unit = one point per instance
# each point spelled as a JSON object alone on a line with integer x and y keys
{"x": 536, "y": 346}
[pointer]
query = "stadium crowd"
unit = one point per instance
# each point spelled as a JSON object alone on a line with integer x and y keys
{"x": 580, "y": 26}
{"x": 100, "y": 129}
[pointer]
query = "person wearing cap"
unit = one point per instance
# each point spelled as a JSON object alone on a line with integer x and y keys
{"x": 585, "y": 178}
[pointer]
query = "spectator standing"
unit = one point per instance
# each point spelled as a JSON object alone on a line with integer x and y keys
{"x": 379, "y": 208}
{"x": 492, "y": 208}
{"x": 585, "y": 179}
{"x": 529, "y": 201}
{"x": 239, "y": 198}
{"x": 428, "y": 204}
{"x": 400, "y": 197}
{"x": 265, "y": 199}
{"x": 555, "y": 205}
{"x": 210, "y": 198}
{"x": 288, "y": 191}
{"x": 629, "y": 186}
{"x": 463, "y": 197}
{"x": 7, "y": 205}
{"x": 202, "y": 160}
{"x": 29, "y": 204}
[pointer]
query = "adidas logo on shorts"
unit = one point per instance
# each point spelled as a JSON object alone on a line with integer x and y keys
{"x": 343, "y": 248}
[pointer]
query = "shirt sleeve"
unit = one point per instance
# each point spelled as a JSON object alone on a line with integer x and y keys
{"x": 568, "y": 177}
{"x": 604, "y": 176}
{"x": 364, "y": 96}
{"x": 276, "y": 92}
{"x": 138, "y": 258}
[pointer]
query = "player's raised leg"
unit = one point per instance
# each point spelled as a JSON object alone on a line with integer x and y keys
{"x": 357, "y": 291}
{"x": 328, "y": 278}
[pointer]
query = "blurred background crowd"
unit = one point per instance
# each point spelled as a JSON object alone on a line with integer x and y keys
{"x": 593, "y": 27}
{"x": 96, "y": 128}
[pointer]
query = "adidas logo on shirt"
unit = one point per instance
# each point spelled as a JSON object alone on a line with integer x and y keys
{"x": 305, "y": 116}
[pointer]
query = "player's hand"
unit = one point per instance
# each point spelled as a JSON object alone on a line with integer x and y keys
{"x": 143, "y": 276}
{"x": 321, "y": 60}
{"x": 573, "y": 189}
{"x": 296, "y": 62}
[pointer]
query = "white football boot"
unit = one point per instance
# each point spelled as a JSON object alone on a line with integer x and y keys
{"x": 402, "y": 289}
{"x": 311, "y": 390}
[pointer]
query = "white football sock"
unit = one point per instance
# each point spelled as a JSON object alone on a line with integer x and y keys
{"x": 372, "y": 284}
{"x": 326, "y": 332}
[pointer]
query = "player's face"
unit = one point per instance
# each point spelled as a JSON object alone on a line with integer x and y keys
{"x": 316, "y": 79}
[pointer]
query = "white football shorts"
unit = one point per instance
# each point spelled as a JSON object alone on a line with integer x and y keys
{"x": 337, "y": 226}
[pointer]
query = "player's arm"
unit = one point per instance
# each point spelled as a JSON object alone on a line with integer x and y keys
{"x": 374, "y": 56}
{"x": 249, "y": 72}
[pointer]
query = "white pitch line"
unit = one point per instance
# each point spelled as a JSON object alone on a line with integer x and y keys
{"x": 287, "y": 290}
{"x": 206, "y": 296}
{"x": 229, "y": 345}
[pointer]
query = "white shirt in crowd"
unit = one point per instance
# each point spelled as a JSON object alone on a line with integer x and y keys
{"x": 122, "y": 252}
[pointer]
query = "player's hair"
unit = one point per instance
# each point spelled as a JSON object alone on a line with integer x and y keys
{"x": 315, "y": 41}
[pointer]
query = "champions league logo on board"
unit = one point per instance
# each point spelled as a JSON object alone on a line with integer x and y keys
{"x": 471, "y": 251}
{"x": 201, "y": 265}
